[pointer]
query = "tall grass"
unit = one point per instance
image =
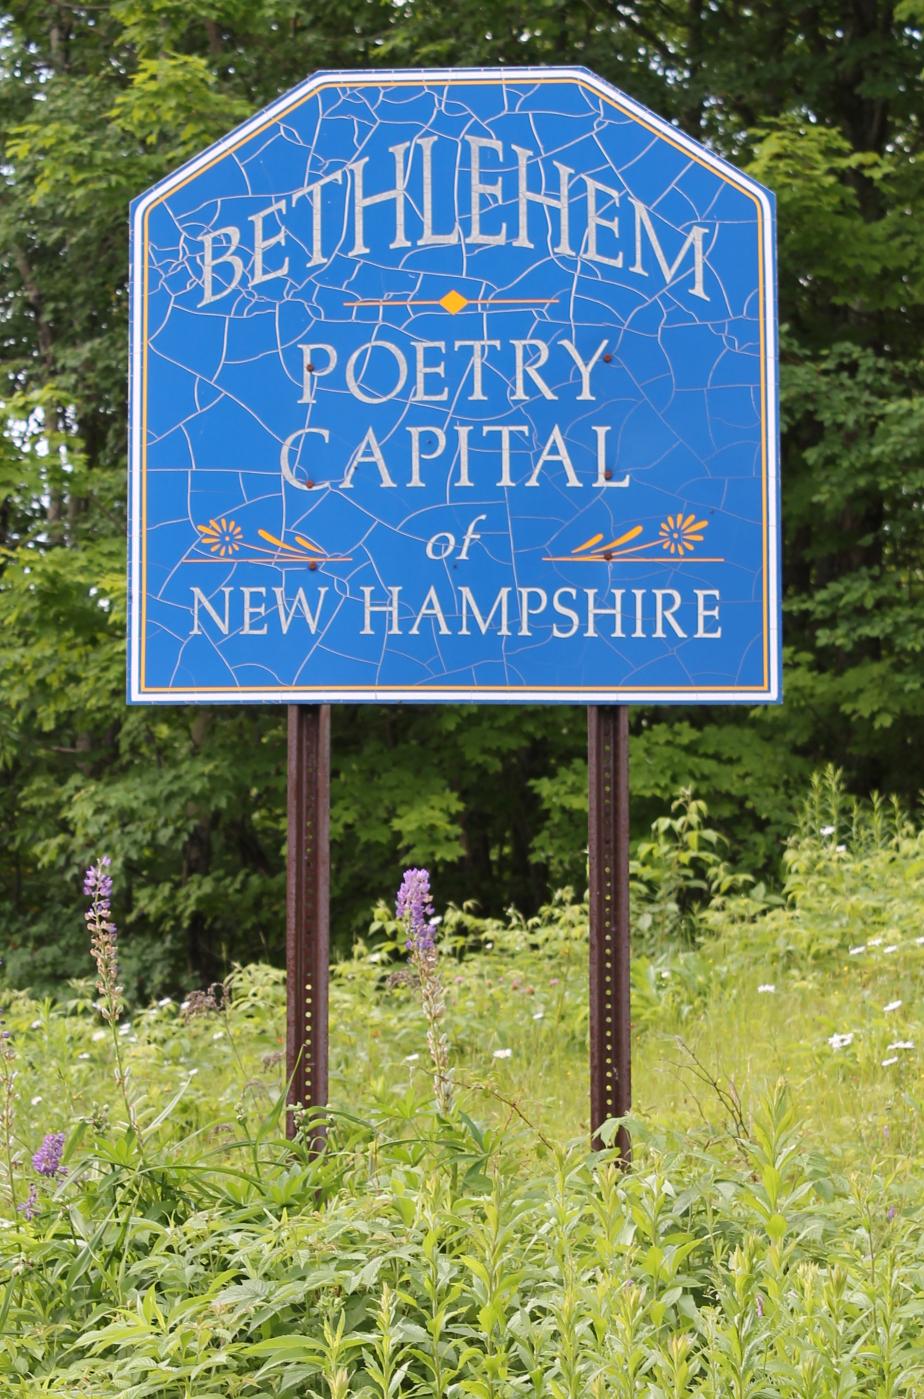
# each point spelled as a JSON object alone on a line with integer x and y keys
{"x": 767, "y": 1242}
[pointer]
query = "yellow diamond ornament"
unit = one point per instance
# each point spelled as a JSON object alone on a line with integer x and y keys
{"x": 453, "y": 301}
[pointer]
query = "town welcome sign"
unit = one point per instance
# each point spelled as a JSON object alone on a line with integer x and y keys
{"x": 454, "y": 385}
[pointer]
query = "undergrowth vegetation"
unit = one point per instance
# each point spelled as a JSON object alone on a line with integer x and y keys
{"x": 160, "y": 1237}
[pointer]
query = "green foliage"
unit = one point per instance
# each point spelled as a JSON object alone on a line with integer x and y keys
{"x": 99, "y": 101}
{"x": 767, "y": 1239}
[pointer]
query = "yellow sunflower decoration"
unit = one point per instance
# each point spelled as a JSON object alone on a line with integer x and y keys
{"x": 223, "y": 536}
{"x": 679, "y": 533}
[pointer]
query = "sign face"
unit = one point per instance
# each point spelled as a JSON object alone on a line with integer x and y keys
{"x": 454, "y": 385}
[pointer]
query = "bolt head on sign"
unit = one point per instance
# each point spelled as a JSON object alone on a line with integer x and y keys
{"x": 454, "y": 385}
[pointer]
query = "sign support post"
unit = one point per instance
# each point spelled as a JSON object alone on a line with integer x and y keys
{"x": 307, "y": 911}
{"x": 608, "y": 830}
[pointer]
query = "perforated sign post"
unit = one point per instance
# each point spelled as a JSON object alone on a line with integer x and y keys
{"x": 454, "y": 386}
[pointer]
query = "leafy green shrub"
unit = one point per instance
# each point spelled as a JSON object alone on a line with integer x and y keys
{"x": 766, "y": 1242}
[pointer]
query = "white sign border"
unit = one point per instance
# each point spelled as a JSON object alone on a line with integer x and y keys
{"x": 435, "y": 694}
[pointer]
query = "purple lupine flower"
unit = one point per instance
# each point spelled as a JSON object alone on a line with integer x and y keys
{"x": 892, "y": 1213}
{"x": 97, "y": 885}
{"x": 29, "y": 1207}
{"x": 415, "y": 907}
{"x": 47, "y": 1160}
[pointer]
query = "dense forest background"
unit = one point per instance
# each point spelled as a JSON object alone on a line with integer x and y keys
{"x": 821, "y": 101}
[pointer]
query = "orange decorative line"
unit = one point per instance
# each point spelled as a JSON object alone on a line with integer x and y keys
{"x": 280, "y": 558}
{"x": 627, "y": 557}
{"x": 473, "y": 301}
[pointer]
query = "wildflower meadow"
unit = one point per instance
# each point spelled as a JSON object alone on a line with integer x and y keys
{"x": 161, "y": 1237}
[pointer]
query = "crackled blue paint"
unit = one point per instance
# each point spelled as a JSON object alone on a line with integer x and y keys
{"x": 687, "y": 393}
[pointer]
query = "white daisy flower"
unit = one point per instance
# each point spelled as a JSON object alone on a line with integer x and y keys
{"x": 855, "y": 951}
{"x": 503, "y": 1053}
{"x": 827, "y": 830}
{"x": 766, "y": 988}
{"x": 892, "y": 1060}
{"x": 893, "y": 1005}
{"x": 841, "y": 1041}
{"x": 901, "y": 1044}
{"x": 411, "y": 1058}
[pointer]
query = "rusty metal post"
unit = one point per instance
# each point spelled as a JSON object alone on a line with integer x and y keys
{"x": 307, "y": 908}
{"x": 608, "y": 827}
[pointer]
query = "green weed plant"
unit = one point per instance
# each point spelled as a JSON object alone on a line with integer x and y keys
{"x": 767, "y": 1240}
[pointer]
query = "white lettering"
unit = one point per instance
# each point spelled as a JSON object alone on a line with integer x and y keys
{"x": 391, "y": 608}
{"x": 505, "y": 431}
{"x": 564, "y": 611}
{"x": 601, "y": 433}
{"x": 261, "y": 243}
{"x": 470, "y": 536}
{"x": 429, "y": 238}
{"x": 522, "y": 368}
{"x": 526, "y": 611}
{"x": 425, "y": 370}
{"x": 694, "y": 239}
{"x": 200, "y": 600}
{"x": 430, "y": 608}
{"x": 584, "y": 368}
{"x": 479, "y": 187}
{"x": 210, "y": 261}
{"x": 285, "y": 454}
{"x": 363, "y": 201}
{"x": 417, "y": 455}
{"x": 594, "y": 221}
{"x": 554, "y": 450}
{"x": 299, "y": 604}
{"x": 351, "y": 380}
{"x": 368, "y": 450}
{"x": 524, "y": 196}
{"x": 310, "y": 370}
{"x": 593, "y": 612}
{"x": 666, "y": 614}
{"x": 314, "y": 192}
{"x": 470, "y": 605}
{"x": 251, "y": 612}
{"x": 704, "y": 613}
{"x": 478, "y": 349}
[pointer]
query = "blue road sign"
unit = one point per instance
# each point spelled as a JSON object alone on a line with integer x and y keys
{"x": 454, "y": 385}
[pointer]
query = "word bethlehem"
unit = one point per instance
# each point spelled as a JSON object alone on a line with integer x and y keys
{"x": 498, "y": 196}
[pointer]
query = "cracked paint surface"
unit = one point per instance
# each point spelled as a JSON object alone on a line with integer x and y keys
{"x": 248, "y": 582}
